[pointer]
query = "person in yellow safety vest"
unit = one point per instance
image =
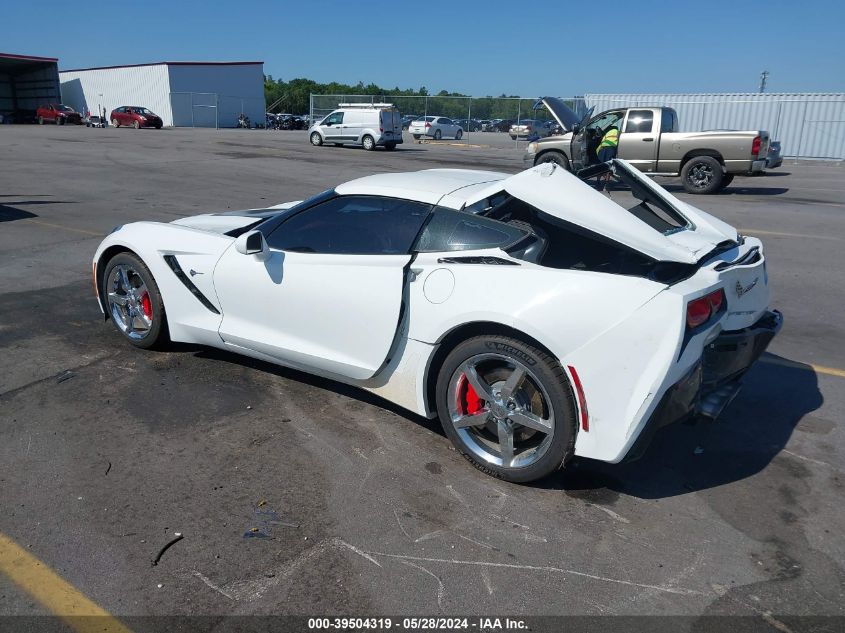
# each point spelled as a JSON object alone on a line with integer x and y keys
{"x": 607, "y": 151}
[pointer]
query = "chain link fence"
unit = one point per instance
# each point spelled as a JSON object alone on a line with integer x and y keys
{"x": 478, "y": 116}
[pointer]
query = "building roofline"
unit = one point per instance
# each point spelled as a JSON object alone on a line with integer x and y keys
{"x": 73, "y": 70}
{"x": 31, "y": 58}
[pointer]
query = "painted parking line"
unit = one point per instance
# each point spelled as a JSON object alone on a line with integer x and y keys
{"x": 819, "y": 369}
{"x": 66, "y": 228}
{"x": 776, "y": 234}
{"x": 56, "y": 594}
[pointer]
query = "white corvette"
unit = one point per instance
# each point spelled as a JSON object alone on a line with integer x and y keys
{"x": 535, "y": 316}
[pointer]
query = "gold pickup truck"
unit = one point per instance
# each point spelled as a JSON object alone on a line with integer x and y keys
{"x": 649, "y": 139}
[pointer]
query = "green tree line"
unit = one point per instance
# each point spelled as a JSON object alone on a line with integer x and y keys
{"x": 293, "y": 96}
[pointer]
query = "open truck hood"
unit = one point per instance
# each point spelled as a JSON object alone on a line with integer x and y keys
{"x": 558, "y": 193}
{"x": 563, "y": 114}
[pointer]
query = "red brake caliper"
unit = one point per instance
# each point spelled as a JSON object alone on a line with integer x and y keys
{"x": 147, "y": 306}
{"x": 468, "y": 399}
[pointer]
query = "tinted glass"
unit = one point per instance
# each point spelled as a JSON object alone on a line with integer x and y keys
{"x": 334, "y": 118}
{"x": 451, "y": 230}
{"x": 640, "y": 121}
{"x": 668, "y": 121}
{"x": 353, "y": 225}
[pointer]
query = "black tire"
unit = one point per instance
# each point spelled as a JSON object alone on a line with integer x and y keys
{"x": 158, "y": 126}
{"x": 513, "y": 138}
{"x": 437, "y": 135}
{"x": 115, "y": 123}
{"x": 158, "y": 335}
{"x": 41, "y": 120}
{"x": 727, "y": 179}
{"x": 459, "y": 135}
{"x": 702, "y": 175}
{"x": 390, "y": 146}
{"x": 58, "y": 120}
{"x": 316, "y": 139}
{"x": 417, "y": 137}
{"x": 549, "y": 375}
{"x": 136, "y": 124}
{"x": 368, "y": 142}
{"x": 553, "y": 157}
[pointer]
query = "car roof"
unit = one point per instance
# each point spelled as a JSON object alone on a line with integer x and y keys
{"x": 428, "y": 185}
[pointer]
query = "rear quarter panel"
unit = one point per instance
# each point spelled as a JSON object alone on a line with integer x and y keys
{"x": 733, "y": 147}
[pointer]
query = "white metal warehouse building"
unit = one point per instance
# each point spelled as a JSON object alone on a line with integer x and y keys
{"x": 183, "y": 94}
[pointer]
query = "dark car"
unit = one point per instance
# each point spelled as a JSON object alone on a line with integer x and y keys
{"x": 57, "y": 113}
{"x": 406, "y": 120}
{"x": 135, "y": 116}
{"x": 469, "y": 125}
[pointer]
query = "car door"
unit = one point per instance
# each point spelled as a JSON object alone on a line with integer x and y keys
{"x": 333, "y": 126}
{"x": 448, "y": 127}
{"x": 638, "y": 139}
{"x": 328, "y": 296}
{"x": 586, "y": 142}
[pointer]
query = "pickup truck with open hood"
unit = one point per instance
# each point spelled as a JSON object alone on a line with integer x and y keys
{"x": 649, "y": 140}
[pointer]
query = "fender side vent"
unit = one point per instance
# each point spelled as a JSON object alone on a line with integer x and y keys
{"x": 477, "y": 259}
{"x": 177, "y": 270}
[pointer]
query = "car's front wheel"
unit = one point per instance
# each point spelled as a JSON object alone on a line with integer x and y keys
{"x": 553, "y": 157}
{"x": 137, "y": 124}
{"x": 316, "y": 139}
{"x": 458, "y": 135}
{"x": 134, "y": 302}
{"x": 507, "y": 407}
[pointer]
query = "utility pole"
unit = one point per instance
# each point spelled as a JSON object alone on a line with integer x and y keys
{"x": 764, "y": 76}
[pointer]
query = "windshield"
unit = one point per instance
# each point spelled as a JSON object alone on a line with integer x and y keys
{"x": 143, "y": 111}
{"x": 64, "y": 108}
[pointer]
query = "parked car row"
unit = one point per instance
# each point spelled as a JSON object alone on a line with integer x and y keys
{"x": 284, "y": 121}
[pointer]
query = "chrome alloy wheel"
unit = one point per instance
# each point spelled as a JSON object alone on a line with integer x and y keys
{"x": 701, "y": 175}
{"x": 129, "y": 302}
{"x": 501, "y": 410}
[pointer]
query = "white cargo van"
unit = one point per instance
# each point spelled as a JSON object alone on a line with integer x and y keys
{"x": 366, "y": 124}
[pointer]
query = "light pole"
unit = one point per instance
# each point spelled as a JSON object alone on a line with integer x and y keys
{"x": 764, "y": 76}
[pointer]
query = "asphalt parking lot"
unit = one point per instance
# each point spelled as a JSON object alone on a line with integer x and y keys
{"x": 361, "y": 508}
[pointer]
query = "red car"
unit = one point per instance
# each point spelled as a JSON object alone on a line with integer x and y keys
{"x": 58, "y": 113}
{"x": 135, "y": 116}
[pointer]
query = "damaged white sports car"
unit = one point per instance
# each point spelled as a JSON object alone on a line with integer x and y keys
{"x": 538, "y": 318}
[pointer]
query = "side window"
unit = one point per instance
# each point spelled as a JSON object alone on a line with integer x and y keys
{"x": 640, "y": 121}
{"x": 668, "y": 120}
{"x": 353, "y": 225}
{"x": 334, "y": 118}
{"x": 451, "y": 230}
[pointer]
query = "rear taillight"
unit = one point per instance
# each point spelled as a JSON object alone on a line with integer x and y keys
{"x": 700, "y": 311}
{"x": 755, "y": 146}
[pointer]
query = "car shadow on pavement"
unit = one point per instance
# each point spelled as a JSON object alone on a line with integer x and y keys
{"x": 9, "y": 214}
{"x": 287, "y": 373}
{"x": 736, "y": 188}
{"x": 688, "y": 457}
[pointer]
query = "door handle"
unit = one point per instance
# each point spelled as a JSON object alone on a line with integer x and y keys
{"x": 647, "y": 140}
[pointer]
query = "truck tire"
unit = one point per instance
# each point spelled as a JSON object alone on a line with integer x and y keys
{"x": 553, "y": 157}
{"x": 702, "y": 175}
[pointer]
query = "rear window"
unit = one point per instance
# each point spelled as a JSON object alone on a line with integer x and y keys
{"x": 451, "y": 230}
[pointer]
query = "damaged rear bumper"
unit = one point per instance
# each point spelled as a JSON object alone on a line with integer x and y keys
{"x": 713, "y": 382}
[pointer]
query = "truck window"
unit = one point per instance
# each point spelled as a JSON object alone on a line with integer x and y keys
{"x": 668, "y": 120}
{"x": 640, "y": 121}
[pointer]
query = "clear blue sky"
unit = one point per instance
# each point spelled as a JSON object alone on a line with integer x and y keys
{"x": 479, "y": 48}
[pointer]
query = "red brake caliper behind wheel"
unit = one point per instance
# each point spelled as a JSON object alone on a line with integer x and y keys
{"x": 468, "y": 401}
{"x": 147, "y": 306}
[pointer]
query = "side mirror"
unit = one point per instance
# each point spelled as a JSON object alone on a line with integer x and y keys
{"x": 252, "y": 243}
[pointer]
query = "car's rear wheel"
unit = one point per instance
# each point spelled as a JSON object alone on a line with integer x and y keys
{"x": 417, "y": 137}
{"x": 115, "y": 123}
{"x": 702, "y": 175}
{"x": 316, "y": 139}
{"x": 553, "y": 157}
{"x": 368, "y": 142}
{"x": 506, "y": 407}
{"x": 390, "y": 146}
{"x": 437, "y": 135}
{"x": 458, "y": 135}
{"x": 134, "y": 302}
{"x": 136, "y": 124}
{"x": 41, "y": 120}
